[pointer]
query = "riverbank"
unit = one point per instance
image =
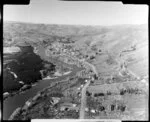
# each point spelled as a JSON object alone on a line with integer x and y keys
{"x": 11, "y": 103}
{"x": 31, "y": 102}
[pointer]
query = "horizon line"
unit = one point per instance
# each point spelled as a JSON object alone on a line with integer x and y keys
{"x": 13, "y": 21}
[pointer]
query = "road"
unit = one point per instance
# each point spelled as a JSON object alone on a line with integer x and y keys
{"x": 83, "y": 100}
{"x": 83, "y": 92}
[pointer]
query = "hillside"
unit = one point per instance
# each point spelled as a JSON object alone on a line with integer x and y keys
{"x": 116, "y": 57}
{"x": 105, "y": 47}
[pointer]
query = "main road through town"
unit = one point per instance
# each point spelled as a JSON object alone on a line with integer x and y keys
{"x": 83, "y": 100}
{"x": 83, "y": 92}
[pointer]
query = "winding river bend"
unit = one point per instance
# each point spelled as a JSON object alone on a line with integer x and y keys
{"x": 11, "y": 103}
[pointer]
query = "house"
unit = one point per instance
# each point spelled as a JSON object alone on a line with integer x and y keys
{"x": 143, "y": 80}
{"x": 86, "y": 109}
{"x": 81, "y": 86}
{"x": 86, "y": 81}
{"x": 65, "y": 106}
{"x": 69, "y": 106}
{"x": 93, "y": 111}
{"x": 55, "y": 100}
{"x": 21, "y": 82}
{"x": 6, "y": 94}
{"x": 74, "y": 105}
{"x": 28, "y": 103}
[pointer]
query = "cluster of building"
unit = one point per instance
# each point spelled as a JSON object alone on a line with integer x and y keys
{"x": 59, "y": 48}
{"x": 67, "y": 106}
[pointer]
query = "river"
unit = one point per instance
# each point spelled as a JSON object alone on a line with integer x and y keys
{"x": 11, "y": 103}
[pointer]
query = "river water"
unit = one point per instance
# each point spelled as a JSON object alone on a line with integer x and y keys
{"x": 11, "y": 103}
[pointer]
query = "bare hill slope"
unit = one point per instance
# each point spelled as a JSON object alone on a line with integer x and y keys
{"x": 128, "y": 42}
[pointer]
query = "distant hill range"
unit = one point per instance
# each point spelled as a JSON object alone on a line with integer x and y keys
{"x": 130, "y": 42}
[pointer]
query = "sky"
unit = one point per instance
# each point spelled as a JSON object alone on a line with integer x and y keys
{"x": 77, "y": 12}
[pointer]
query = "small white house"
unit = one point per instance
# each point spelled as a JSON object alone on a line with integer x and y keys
{"x": 86, "y": 81}
{"x": 5, "y": 94}
{"x": 93, "y": 111}
{"x": 74, "y": 105}
{"x": 79, "y": 88}
{"x": 86, "y": 109}
{"x": 55, "y": 100}
{"x": 28, "y": 103}
{"x": 143, "y": 80}
{"x": 21, "y": 82}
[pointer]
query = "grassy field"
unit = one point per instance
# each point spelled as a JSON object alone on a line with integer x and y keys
{"x": 131, "y": 96}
